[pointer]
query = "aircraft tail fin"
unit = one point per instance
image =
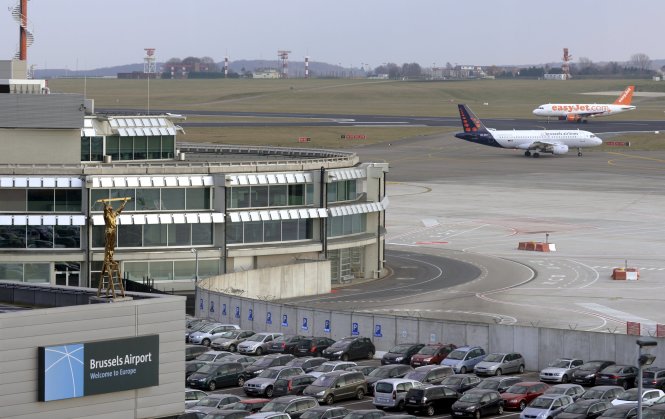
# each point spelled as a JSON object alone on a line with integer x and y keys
{"x": 626, "y": 97}
{"x": 470, "y": 122}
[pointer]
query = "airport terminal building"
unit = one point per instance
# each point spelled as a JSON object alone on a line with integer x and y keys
{"x": 214, "y": 209}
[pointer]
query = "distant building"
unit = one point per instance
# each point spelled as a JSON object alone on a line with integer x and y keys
{"x": 136, "y": 75}
{"x": 266, "y": 73}
{"x": 555, "y": 77}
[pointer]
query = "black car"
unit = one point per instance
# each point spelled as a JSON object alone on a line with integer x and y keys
{"x": 267, "y": 361}
{"x": 585, "y": 409}
{"x": 192, "y": 351}
{"x": 477, "y": 403}
{"x": 365, "y": 414}
{"x": 285, "y": 344}
{"x": 461, "y": 382}
{"x": 365, "y": 369}
{"x": 248, "y": 405}
{"x": 656, "y": 411}
{"x": 602, "y": 392}
{"x": 292, "y": 385}
{"x": 622, "y": 411}
{"x": 618, "y": 375}
{"x": 500, "y": 383}
{"x": 325, "y": 412}
{"x": 585, "y": 374}
{"x": 430, "y": 400}
{"x": 430, "y": 374}
{"x": 306, "y": 363}
{"x": 217, "y": 375}
{"x": 401, "y": 354}
{"x": 192, "y": 366}
{"x": 293, "y": 405}
{"x": 313, "y": 346}
{"x": 352, "y": 347}
{"x": 385, "y": 371}
{"x": 653, "y": 377}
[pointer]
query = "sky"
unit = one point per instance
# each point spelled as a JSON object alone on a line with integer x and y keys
{"x": 88, "y": 34}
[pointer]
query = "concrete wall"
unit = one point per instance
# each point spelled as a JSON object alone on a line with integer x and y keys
{"x": 279, "y": 282}
{"x": 37, "y": 146}
{"x": 539, "y": 346}
{"x": 24, "y": 331}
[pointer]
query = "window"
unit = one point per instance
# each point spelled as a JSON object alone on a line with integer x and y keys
{"x": 173, "y": 199}
{"x": 40, "y": 200}
{"x": 113, "y": 147}
{"x": 259, "y": 196}
{"x": 147, "y": 199}
{"x": 278, "y": 196}
{"x": 13, "y": 200}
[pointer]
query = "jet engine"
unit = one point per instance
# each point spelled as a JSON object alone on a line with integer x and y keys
{"x": 559, "y": 149}
{"x": 572, "y": 117}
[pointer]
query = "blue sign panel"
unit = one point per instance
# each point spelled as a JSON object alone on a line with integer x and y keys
{"x": 223, "y": 309}
{"x": 355, "y": 329}
{"x": 250, "y": 316}
{"x": 285, "y": 320}
{"x": 377, "y": 331}
{"x": 326, "y": 326}
{"x": 305, "y": 326}
{"x": 237, "y": 312}
{"x": 212, "y": 306}
{"x": 269, "y": 318}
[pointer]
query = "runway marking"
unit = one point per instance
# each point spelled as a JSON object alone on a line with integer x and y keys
{"x": 615, "y": 313}
{"x": 634, "y": 157}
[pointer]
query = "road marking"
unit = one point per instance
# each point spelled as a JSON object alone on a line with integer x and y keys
{"x": 615, "y": 313}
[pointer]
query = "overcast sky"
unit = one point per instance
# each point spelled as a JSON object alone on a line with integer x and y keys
{"x": 87, "y": 34}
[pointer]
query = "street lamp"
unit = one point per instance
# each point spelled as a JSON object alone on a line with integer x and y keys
{"x": 643, "y": 359}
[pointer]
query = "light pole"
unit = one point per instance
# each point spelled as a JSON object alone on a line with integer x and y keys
{"x": 642, "y": 361}
{"x": 196, "y": 278}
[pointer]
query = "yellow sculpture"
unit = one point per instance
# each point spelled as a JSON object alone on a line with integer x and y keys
{"x": 111, "y": 266}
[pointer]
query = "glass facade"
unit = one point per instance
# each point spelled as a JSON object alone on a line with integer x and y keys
{"x": 156, "y": 199}
{"x": 346, "y": 264}
{"x": 40, "y": 200}
{"x": 26, "y": 272}
{"x": 264, "y": 196}
{"x": 157, "y": 147}
{"x": 343, "y": 190}
{"x": 346, "y": 224}
{"x": 157, "y": 235}
{"x": 269, "y": 231}
{"x": 170, "y": 270}
{"x": 40, "y": 237}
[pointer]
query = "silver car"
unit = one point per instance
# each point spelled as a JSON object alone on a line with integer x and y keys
{"x": 391, "y": 392}
{"x": 264, "y": 383}
{"x": 210, "y": 333}
{"x": 500, "y": 363}
{"x": 560, "y": 371}
{"x": 257, "y": 344}
{"x": 546, "y": 406}
{"x": 229, "y": 340}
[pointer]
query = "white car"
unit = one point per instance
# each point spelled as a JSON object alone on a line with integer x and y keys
{"x": 649, "y": 396}
{"x": 560, "y": 370}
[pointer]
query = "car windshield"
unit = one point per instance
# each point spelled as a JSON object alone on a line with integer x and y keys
{"x": 593, "y": 365}
{"x": 456, "y": 354}
{"x": 575, "y": 408}
{"x": 428, "y": 350}
{"x": 628, "y": 395}
{"x": 208, "y": 327}
{"x": 263, "y": 362}
{"x": 323, "y": 381}
{"x": 206, "y": 357}
{"x": 593, "y": 394}
{"x": 325, "y": 368}
{"x": 269, "y": 373}
{"x": 339, "y": 345}
{"x": 612, "y": 369}
{"x": 229, "y": 335}
{"x": 275, "y": 406}
{"x": 516, "y": 389}
{"x": 556, "y": 390}
{"x": 208, "y": 402}
{"x": 355, "y": 415}
{"x": 414, "y": 375}
{"x": 256, "y": 338}
{"x": 242, "y": 406}
{"x": 489, "y": 385}
{"x": 192, "y": 367}
{"x": 541, "y": 403}
{"x": 379, "y": 373}
{"x": 400, "y": 349}
{"x": 493, "y": 358}
{"x": 451, "y": 380}
{"x": 471, "y": 397}
{"x": 560, "y": 363}
{"x": 615, "y": 413}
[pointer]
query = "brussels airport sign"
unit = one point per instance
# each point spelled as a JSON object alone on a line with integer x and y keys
{"x": 84, "y": 369}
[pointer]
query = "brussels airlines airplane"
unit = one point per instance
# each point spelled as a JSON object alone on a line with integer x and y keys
{"x": 533, "y": 142}
{"x": 579, "y": 112}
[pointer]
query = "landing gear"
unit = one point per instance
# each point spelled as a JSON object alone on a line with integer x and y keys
{"x": 579, "y": 152}
{"x": 527, "y": 153}
{"x": 536, "y": 155}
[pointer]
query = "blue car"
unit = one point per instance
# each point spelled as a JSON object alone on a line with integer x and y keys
{"x": 464, "y": 358}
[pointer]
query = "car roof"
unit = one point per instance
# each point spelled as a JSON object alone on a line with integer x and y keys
{"x": 604, "y": 387}
{"x": 340, "y": 372}
{"x": 584, "y": 402}
{"x": 432, "y": 367}
{"x": 504, "y": 378}
{"x": 480, "y": 390}
{"x": 254, "y": 400}
{"x": 564, "y": 385}
{"x": 552, "y": 396}
{"x": 398, "y": 380}
{"x": 289, "y": 398}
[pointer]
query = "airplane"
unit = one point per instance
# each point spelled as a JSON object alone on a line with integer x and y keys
{"x": 533, "y": 142}
{"x": 580, "y": 112}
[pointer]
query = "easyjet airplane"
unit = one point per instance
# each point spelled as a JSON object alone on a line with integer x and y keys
{"x": 533, "y": 142}
{"x": 579, "y": 112}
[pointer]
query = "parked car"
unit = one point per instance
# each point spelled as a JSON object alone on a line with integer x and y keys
{"x": 264, "y": 383}
{"x": 432, "y": 354}
{"x": 500, "y": 363}
{"x": 210, "y": 333}
{"x": 269, "y": 415}
{"x": 337, "y": 385}
{"x": 325, "y": 412}
{"x": 478, "y": 403}
{"x": 292, "y": 385}
{"x": 307, "y": 363}
{"x": 390, "y": 393}
{"x": 313, "y": 346}
{"x": 245, "y": 360}
{"x": 192, "y": 396}
{"x": 602, "y": 392}
{"x": 655, "y": 411}
{"x": 365, "y": 414}
{"x": 249, "y": 405}
{"x": 257, "y": 344}
{"x": 546, "y": 406}
{"x": 560, "y": 370}
{"x": 573, "y": 390}
{"x": 227, "y": 414}
{"x": 293, "y": 405}
{"x": 653, "y": 377}
{"x": 464, "y": 358}
{"x": 386, "y": 371}
{"x": 216, "y": 400}
{"x": 192, "y": 351}
{"x": 585, "y": 409}
{"x": 430, "y": 400}
{"x": 215, "y": 375}
{"x": 585, "y": 374}
{"x": 330, "y": 366}
{"x": 196, "y": 327}
{"x": 212, "y": 356}
{"x": 624, "y": 411}
{"x": 192, "y": 366}
{"x": 229, "y": 340}
{"x": 649, "y": 396}
{"x": 352, "y": 347}
{"x": 430, "y": 374}
{"x": 401, "y": 354}
{"x": 618, "y": 375}
{"x": 267, "y": 361}
{"x": 461, "y": 382}
{"x": 519, "y": 395}
{"x": 285, "y": 344}
{"x": 500, "y": 383}
{"x": 365, "y": 369}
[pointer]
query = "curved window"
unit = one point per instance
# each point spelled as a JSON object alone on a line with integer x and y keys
{"x": 156, "y": 235}
{"x": 269, "y": 231}
{"x": 346, "y": 225}
{"x": 264, "y": 196}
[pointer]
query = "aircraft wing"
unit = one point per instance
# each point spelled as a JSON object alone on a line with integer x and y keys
{"x": 544, "y": 146}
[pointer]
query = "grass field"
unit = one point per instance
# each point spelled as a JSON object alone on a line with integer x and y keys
{"x": 488, "y": 98}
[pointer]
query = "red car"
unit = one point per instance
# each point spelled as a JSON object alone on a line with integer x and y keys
{"x": 431, "y": 354}
{"x": 519, "y": 395}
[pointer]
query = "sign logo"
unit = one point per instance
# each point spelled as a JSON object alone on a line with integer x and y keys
{"x": 237, "y": 312}
{"x": 355, "y": 329}
{"x": 268, "y": 318}
{"x": 377, "y": 331}
{"x": 250, "y": 315}
{"x": 223, "y": 309}
{"x": 285, "y": 320}
{"x": 326, "y": 326}
{"x": 305, "y": 326}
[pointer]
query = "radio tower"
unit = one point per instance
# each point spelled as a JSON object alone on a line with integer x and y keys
{"x": 306, "y": 67}
{"x": 20, "y": 14}
{"x": 284, "y": 57}
{"x": 149, "y": 63}
{"x": 565, "y": 67}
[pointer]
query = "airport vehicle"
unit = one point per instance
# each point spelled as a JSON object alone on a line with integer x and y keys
{"x": 306, "y": 363}
{"x": 292, "y": 385}
{"x": 500, "y": 363}
{"x": 294, "y": 406}
{"x": 653, "y": 377}
{"x": 478, "y": 403}
{"x": 547, "y": 406}
{"x": 430, "y": 374}
{"x": 585, "y": 374}
{"x": 618, "y": 375}
{"x": 573, "y": 390}
{"x": 431, "y": 354}
{"x": 313, "y": 346}
{"x": 386, "y": 371}
{"x": 337, "y": 385}
{"x": 229, "y": 340}
{"x": 193, "y": 396}
{"x": 390, "y": 393}
{"x": 649, "y": 396}
{"x": 461, "y": 382}
{"x": 602, "y": 392}
{"x": 285, "y": 344}
{"x": 580, "y": 112}
{"x": 519, "y": 395}
{"x": 401, "y": 354}
{"x": 464, "y": 358}
{"x": 430, "y": 400}
{"x": 585, "y": 409}
{"x": 330, "y": 366}
{"x": 533, "y": 142}
{"x": 500, "y": 383}
{"x": 215, "y": 375}
{"x": 325, "y": 412}
{"x": 560, "y": 370}
{"x": 263, "y": 384}
{"x": 257, "y": 344}
{"x": 351, "y": 347}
